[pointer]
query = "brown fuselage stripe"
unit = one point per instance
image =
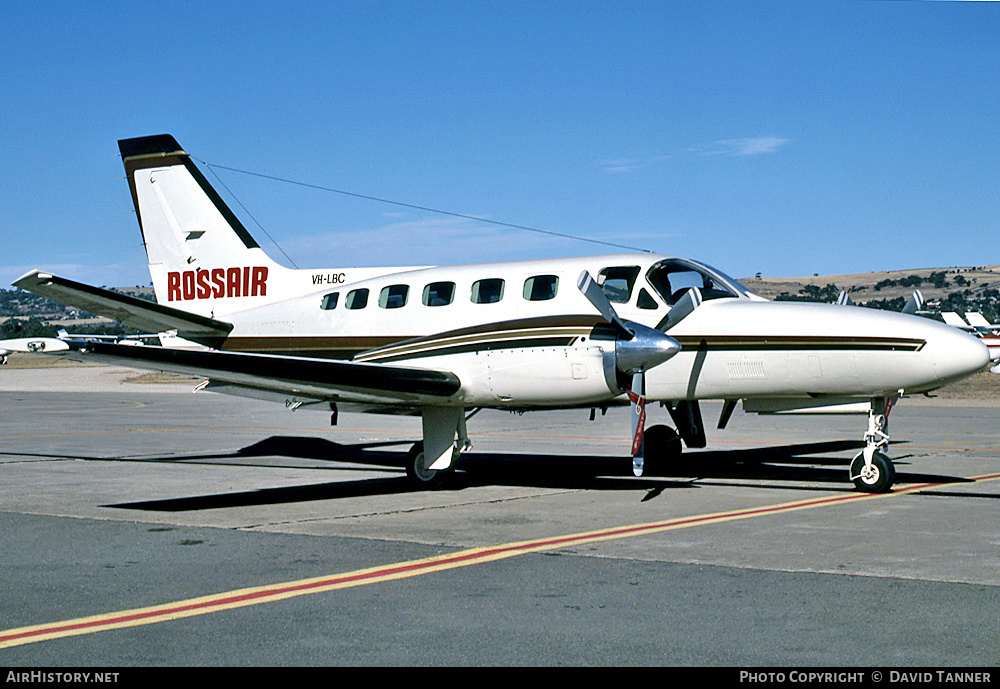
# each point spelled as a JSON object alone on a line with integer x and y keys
{"x": 403, "y": 348}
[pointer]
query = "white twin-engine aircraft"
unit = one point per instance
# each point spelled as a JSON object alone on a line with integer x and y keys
{"x": 530, "y": 335}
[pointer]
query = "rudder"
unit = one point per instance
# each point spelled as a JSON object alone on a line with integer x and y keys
{"x": 201, "y": 257}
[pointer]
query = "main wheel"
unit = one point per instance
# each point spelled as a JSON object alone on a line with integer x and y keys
{"x": 878, "y": 479}
{"x": 419, "y": 473}
{"x": 661, "y": 450}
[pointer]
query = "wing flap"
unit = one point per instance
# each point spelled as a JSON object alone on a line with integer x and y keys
{"x": 147, "y": 316}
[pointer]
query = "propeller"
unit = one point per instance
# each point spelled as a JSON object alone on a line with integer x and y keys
{"x": 638, "y": 348}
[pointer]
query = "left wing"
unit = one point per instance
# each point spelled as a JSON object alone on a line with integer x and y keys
{"x": 317, "y": 379}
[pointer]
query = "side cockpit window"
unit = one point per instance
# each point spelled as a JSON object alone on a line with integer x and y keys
{"x": 617, "y": 283}
{"x": 646, "y": 301}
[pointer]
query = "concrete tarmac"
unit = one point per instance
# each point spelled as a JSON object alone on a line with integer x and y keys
{"x": 116, "y": 496}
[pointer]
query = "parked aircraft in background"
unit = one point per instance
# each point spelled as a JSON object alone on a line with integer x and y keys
{"x": 975, "y": 323}
{"x": 589, "y": 332}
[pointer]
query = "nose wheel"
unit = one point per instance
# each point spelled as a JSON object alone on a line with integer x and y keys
{"x": 876, "y": 476}
{"x": 871, "y": 469}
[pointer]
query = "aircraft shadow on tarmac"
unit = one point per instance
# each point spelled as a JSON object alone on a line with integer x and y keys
{"x": 787, "y": 464}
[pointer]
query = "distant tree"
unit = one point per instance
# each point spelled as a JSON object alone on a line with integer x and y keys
{"x": 17, "y": 327}
{"x": 938, "y": 279}
{"x": 895, "y": 304}
{"x": 956, "y": 301}
{"x": 815, "y": 293}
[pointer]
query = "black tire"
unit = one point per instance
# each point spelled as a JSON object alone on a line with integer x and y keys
{"x": 662, "y": 450}
{"x": 883, "y": 473}
{"x": 418, "y": 473}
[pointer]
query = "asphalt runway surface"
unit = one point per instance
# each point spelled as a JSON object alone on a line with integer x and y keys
{"x": 143, "y": 525}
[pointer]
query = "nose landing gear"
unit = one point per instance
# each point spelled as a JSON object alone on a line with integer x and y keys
{"x": 871, "y": 469}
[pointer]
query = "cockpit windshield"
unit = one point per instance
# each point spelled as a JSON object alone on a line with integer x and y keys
{"x": 672, "y": 277}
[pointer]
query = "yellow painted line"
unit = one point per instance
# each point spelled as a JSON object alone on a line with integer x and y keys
{"x": 267, "y": 594}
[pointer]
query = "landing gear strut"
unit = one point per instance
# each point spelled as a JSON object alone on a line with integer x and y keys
{"x": 871, "y": 469}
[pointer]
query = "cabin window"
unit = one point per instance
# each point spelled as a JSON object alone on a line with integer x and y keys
{"x": 646, "y": 301}
{"x": 329, "y": 302}
{"x": 356, "y": 299}
{"x": 541, "y": 287}
{"x": 439, "y": 294}
{"x": 393, "y": 296}
{"x": 487, "y": 291}
{"x": 617, "y": 283}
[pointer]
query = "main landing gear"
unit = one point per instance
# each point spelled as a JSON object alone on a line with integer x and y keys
{"x": 871, "y": 469}
{"x": 419, "y": 472}
{"x": 662, "y": 446}
{"x": 432, "y": 460}
{"x": 663, "y": 451}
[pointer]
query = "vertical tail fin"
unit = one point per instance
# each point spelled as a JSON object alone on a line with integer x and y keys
{"x": 201, "y": 257}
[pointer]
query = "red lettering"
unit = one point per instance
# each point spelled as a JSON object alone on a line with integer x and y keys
{"x": 218, "y": 283}
{"x": 258, "y": 287}
{"x": 173, "y": 286}
{"x": 233, "y": 276}
{"x": 187, "y": 284}
{"x": 204, "y": 290}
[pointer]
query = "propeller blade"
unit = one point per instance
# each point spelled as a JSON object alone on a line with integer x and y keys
{"x": 596, "y": 296}
{"x": 637, "y": 396}
{"x": 683, "y": 308}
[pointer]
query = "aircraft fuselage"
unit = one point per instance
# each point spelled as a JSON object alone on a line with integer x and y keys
{"x": 553, "y": 349}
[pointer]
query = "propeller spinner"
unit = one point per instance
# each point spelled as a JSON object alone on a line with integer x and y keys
{"x": 638, "y": 348}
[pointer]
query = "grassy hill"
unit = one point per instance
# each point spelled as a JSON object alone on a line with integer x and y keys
{"x": 944, "y": 289}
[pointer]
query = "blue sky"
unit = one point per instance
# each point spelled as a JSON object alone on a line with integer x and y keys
{"x": 783, "y": 138}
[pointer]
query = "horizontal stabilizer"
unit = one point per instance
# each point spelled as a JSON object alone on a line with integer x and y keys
{"x": 147, "y": 316}
{"x": 977, "y": 320}
{"x": 952, "y": 318}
